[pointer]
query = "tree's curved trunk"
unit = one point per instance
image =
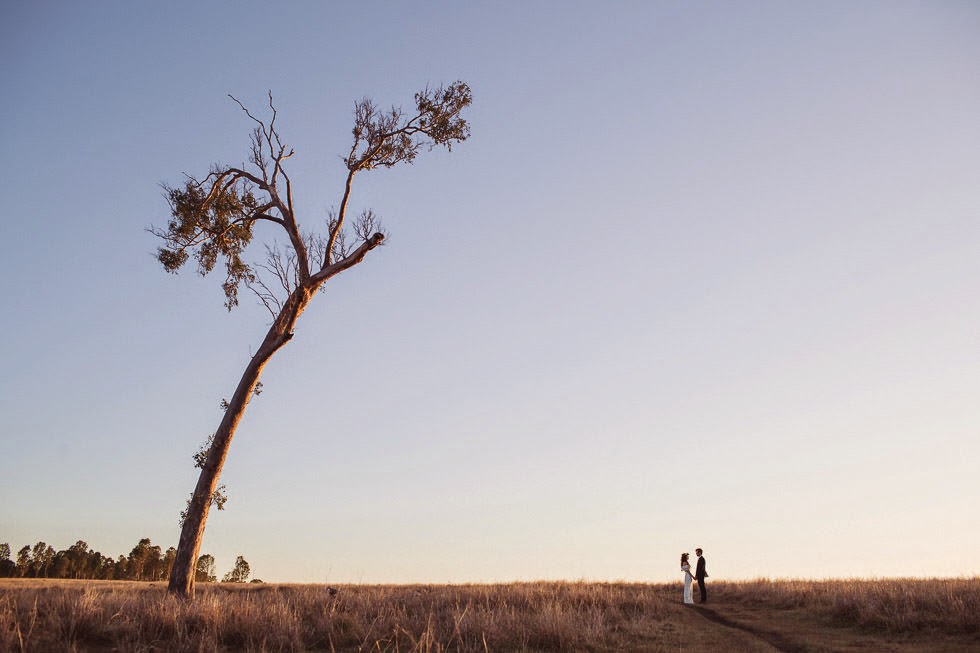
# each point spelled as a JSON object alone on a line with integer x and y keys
{"x": 182, "y": 576}
{"x": 204, "y": 226}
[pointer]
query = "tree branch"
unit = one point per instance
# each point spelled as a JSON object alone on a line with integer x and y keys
{"x": 386, "y": 139}
{"x": 270, "y": 138}
{"x": 350, "y": 261}
{"x": 341, "y": 216}
{"x": 214, "y": 217}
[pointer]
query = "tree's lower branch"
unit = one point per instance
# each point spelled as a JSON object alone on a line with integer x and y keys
{"x": 355, "y": 257}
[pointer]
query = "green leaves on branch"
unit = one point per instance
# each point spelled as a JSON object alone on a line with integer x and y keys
{"x": 201, "y": 455}
{"x": 220, "y": 495}
{"x": 386, "y": 138}
{"x": 218, "y": 499}
{"x": 440, "y": 110}
{"x": 209, "y": 226}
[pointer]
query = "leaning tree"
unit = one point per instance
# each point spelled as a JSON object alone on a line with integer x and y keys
{"x": 215, "y": 218}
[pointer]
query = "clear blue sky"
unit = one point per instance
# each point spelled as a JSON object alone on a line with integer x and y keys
{"x": 706, "y": 274}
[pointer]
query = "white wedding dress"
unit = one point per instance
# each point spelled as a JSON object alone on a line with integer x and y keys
{"x": 688, "y": 593}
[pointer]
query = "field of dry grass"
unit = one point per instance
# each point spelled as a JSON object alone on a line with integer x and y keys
{"x": 892, "y": 606}
{"x": 899, "y": 615}
{"x": 878, "y": 615}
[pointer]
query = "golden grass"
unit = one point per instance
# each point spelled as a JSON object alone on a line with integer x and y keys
{"x": 141, "y": 617}
{"x": 890, "y": 605}
{"x": 100, "y": 616}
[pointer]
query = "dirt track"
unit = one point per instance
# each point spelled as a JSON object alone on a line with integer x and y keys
{"x": 775, "y": 639}
{"x": 737, "y": 628}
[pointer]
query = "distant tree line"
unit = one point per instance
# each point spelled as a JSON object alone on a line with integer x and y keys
{"x": 146, "y": 562}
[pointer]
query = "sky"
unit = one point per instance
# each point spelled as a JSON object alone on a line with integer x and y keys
{"x": 706, "y": 274}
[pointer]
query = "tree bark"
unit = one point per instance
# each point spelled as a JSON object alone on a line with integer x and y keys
{"x": 182, "y": 576}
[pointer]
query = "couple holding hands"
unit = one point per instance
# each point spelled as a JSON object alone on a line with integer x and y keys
{"x": 699, "y": 575}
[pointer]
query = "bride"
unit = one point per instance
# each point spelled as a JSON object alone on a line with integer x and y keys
{"x": 686, "y": 568}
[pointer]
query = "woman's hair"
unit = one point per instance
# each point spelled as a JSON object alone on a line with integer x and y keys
{"x": 684, "y": 557}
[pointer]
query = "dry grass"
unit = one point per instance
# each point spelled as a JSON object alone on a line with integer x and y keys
{"x": 94, "y": 615}
{"x": 141, "y": 617}
{"x": 893, "y": 606}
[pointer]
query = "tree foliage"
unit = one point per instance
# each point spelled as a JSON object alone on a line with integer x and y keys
{"x": 205, "y": 569}
{"x": 213, "y": 225}
{"x": 145, "y": 562}
{"x": 213, "y": 219}
{"x": 239, "y": 573}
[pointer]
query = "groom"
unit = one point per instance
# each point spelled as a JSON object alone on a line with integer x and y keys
{"x": 700, "y": 574}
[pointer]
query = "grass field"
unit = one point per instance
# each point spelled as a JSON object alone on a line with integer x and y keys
{"x": 904, "y": 616}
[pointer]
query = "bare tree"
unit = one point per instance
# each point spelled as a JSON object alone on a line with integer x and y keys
{"x": 214, "y": 218}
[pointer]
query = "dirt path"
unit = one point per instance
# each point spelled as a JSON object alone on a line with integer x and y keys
{"x": 801, "y": 631}
{"x": 774, "y": 639}
{"x": 689, "y": 629}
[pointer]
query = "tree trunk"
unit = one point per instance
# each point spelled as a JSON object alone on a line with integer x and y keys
{"x": 182, "y": 576}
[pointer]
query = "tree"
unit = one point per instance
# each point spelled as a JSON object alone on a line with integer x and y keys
{"x": 168, "y": 563}
{"x": 120, "y": 569}
{"x": 240, "y": 573}
{"x": 23, "y": 561}
{"x": 42, "y": 556}
{"x": 204, "y": 572}
{"x": 215, "y": 218}
{"x": 154, "y": 564}
{"x": 8, "y": 568}
{"x": 78, "y": 555}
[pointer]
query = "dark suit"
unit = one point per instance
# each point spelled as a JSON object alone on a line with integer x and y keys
{"x": 700, "y": 574}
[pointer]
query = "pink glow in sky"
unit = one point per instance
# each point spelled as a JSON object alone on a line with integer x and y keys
{"x": 706, "y": 274}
